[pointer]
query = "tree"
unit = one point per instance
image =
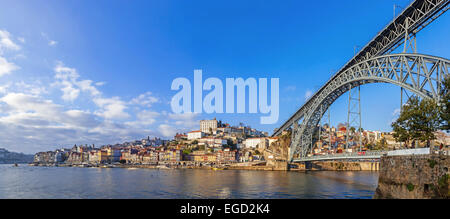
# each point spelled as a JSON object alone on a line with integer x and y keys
{"x": 381, "y": 144}
{"x": 369, "y": 146}
{"x": 352, "y": 129}
{"x": 418, "y": 120}
{"x": 444, "y": 108}
{"x": 187, "y": 151}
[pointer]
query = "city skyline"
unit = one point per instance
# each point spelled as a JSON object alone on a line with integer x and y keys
{"x": 70, "y": 73}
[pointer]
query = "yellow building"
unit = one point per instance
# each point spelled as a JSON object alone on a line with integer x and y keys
{"x": 102, "y": 156}
{"x": 211, "y": 157}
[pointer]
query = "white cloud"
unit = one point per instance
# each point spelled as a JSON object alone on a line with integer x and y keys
{"x": 31, "y": 122}
{"x": 86, "y": 85}
{"x": 6, "y": 41}
{"x": 145, "y": 99}
{"x": 6, "y": 67}
{"x": 144, "y": 119}
{"x": 69, "y": 92}
{"x": 109, "y": 108}
{"x": 21, "y": 39}
{"x": 167, "y": 130}
{"x": 112, "y": 108}
{"x": 20, "y": 102}
{"x": 33, "y": 89}
{"x": 27, "y": 110}
{"x": 183, "y": 116}
{"x": 67, "y": 79}
{"x": 185, "y": 120}
{"x": 147, "y": 117}
{"x": 49, "y": 41}
{"x": 52, "y": 43}
{"x": 64, "y": 72}
{"x": 101, "y": 83}
{"x": 179, "y": 123}
{"x": 4, "y": 88}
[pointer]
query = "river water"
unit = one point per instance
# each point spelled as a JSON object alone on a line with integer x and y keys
{"x": 72, "y": 182}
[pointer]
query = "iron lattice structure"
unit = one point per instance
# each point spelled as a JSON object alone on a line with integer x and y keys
{"x": 420, "y": 74}
{"x": 354, "y": 116}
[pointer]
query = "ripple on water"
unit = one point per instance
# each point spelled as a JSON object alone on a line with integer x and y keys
{"x": 65, "y": 182}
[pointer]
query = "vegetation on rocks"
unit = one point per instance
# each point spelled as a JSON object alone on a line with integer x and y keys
{"x": 410, "y": 187}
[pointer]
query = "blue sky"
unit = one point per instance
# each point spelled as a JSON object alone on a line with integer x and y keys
{"x": 83, "y": 72}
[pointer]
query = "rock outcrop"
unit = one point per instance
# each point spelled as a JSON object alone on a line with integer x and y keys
{"x": 277, "y": 153}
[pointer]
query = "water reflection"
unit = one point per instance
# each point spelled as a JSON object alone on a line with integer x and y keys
{"x": 66, "y": 182}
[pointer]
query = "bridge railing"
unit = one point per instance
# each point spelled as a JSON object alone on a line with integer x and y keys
{"x": 409, "y": 152}
{"x": 359, "y": 155}
{"x": 366, "y": 154}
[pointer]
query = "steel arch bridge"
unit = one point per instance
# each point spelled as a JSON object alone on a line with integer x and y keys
{"x": 418, "y": 73}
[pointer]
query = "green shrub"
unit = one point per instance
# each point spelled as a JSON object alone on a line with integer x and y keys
{"x": 443, "y": 181}
{"x": 187, "y": 151}
{"x": 410, "y": 187}
{"x": 432, "y": 163}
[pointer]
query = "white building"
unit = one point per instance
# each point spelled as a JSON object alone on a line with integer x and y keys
{"x": 195, "y": 135}
{"x": 257, "y": 143}
{"x": 224, "y": 130}
{"x": 377, "y": 135}
{"x": 208, "y": 126}
{"x": 212, "y": 142}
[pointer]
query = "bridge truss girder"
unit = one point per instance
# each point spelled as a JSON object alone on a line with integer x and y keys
{"x": 415, "y": 17}
{"x": 420, "y": 74}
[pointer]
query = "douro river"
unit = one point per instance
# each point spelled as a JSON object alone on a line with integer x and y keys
{"x": 72, "y": 182}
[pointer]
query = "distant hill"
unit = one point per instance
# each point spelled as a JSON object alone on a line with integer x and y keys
{"x": 7, "y": 157}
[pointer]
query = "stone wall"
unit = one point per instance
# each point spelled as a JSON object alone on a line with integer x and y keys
{"x": 343, "y": 165}
{"x": 267, "y": 168}
{"x": 414, "y": 177}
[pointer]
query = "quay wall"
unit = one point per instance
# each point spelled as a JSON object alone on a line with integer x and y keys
{"x": 343, "y": 165}
{"x": 414, "y": 177}
{"x": 270, "y": 168}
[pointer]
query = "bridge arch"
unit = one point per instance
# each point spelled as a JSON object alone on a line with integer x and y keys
{"x": 418, "y": 73}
